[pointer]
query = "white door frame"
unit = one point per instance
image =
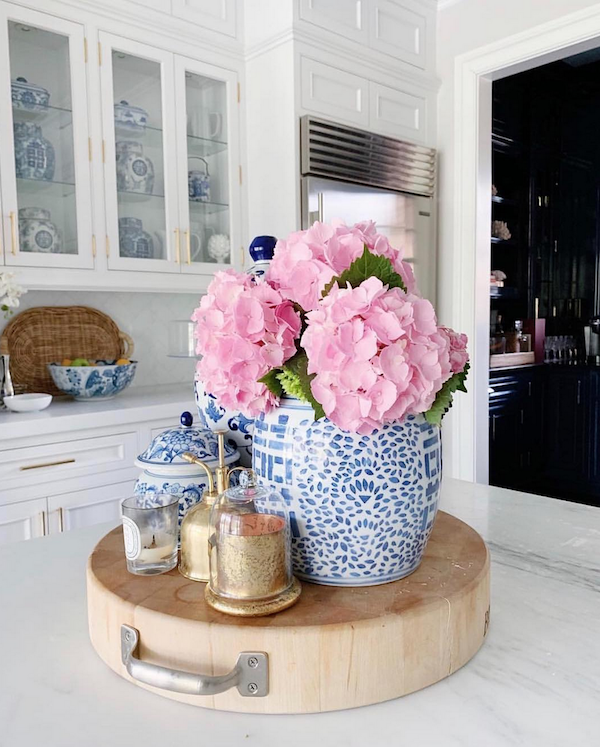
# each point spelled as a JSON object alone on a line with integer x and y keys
{"x": 471, "y": 212}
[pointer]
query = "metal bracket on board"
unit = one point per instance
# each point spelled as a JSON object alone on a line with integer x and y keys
{"x": 250, "y": 674}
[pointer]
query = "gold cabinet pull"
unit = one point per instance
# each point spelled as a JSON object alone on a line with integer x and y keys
{"x": 13, "y": 233}
{"x": 46, "y": 464}
{"x": 43, "y": 519}
{"x": 94, "y": 246}
{"x": 177, "y": 252}
{"x": 61, "y": 520}
{"x": 107, "y": 243}
{"x": 188, "y": 246}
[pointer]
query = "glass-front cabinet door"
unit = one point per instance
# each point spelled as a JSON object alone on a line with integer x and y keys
{"x": 208, "y": 166}
{"x": 44, "y": 146}
{"x": 138, "y": 105}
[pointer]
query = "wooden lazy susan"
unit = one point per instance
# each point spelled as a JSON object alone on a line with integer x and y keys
{"x": 336, "y": 648}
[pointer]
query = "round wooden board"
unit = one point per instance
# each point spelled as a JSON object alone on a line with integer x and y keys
{"x": 338, "y": 647}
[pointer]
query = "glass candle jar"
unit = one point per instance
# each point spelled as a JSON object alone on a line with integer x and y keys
{"x": 250, "y": 551}
{"x": 150, "y": 532}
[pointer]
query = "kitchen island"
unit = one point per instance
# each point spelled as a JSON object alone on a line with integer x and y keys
{"x": 536, "y": 680}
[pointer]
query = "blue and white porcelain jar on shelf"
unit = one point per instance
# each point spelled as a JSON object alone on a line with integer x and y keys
{"x": 133, "y": 240}
{"x": 29, "y": 96}
{"x": 130, "y": 117}
{"x": 165, "y": 471}
{"x": 34, "y": 155}
{"x": 199, "y": 181}
{"x": 362, "y": 507}
{"x": 37, "y": 233}
{"x": 135, "y": 171}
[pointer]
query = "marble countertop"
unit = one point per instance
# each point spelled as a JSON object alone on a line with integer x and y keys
{"x": 534, "y": 683}
{"x": 64, "y": 414}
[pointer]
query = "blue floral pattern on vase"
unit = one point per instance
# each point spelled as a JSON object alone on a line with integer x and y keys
{"x": 361, "y": 507}
{"x": 168, "y": 447}
{"x": 215, "y": 417}
{"x": 84, "y": 383}
{"x": 34, "y": 155}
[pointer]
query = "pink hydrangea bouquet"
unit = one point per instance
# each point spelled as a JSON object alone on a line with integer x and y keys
{"x": 337, "y": 322}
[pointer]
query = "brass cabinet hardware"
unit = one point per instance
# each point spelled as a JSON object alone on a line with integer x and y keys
{"x": 239, "y": 92}
{"x": 107, "y": 243}
{"x": 85, "y": 50}
{"x": 177, "y": 249}
{"x": 61, "y": 520}
{"x": 94, "y": 246}
{"x": 99, "y": 54}
{"x": 103, "y": 151}
{"x": 13, "y": 232}
{"x": 46, "y": 464}
{"x": 188, "y": 246}
{"x": 44, "y": 527}
{"x": 90, "y": 148}
{"x": 242, "y": 256}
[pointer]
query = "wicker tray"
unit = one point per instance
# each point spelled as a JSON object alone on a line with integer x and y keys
{"x": 45, "y": 334}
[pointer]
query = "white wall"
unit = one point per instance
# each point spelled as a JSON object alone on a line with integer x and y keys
{"x": 463, "y": 27}
{"x": 144, "y": 316}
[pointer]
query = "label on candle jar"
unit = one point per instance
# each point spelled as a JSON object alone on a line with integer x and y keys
{"x": 131, "y": 538}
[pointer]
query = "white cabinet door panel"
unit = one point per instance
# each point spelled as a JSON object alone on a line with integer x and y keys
{"x": 400, "y": 31}
{"x": 21, "y": 521}
{"x": 398, "y": 113}
{"x": 84, "y": 508}
{"x": 347, "y": 17}
{"x": 217, "y": 15}
{"x": 335, "y": 93}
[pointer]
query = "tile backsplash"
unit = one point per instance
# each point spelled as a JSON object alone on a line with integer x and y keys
{"x": 144, "y": 316}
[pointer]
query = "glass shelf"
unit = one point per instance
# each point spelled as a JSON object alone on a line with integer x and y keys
{"x": 152, "y": 137}
{"x": 506, "y": 242}
{"x": 504, "y": 200}
{"x": 126, "y": 196}
{"x": 37, "y": 186}
{"x": 207, "y": 208}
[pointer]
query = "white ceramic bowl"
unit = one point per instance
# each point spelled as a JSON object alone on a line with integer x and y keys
{"x": 28, "y": 402}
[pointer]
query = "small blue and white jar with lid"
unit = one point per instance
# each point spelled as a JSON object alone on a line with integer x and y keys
{"x": 262, "y": 250}
{"x": 164, "y": 470}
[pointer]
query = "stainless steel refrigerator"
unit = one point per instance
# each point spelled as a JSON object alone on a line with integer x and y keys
{"x": 353, "y": 175}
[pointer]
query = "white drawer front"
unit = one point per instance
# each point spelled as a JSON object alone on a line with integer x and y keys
{"x": 347, "y": 18}
{"x": 399, "y": 31}
{"x": 340, "y": 95}
{"x": 57, "y": 461}
{"x": 398, "y": 113}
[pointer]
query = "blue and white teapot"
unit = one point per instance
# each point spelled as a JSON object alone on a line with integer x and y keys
{"x": 165, "y": 471}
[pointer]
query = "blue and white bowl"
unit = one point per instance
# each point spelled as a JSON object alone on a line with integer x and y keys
{"x": 165, "y": 471}
{"x": 91, "y": 383}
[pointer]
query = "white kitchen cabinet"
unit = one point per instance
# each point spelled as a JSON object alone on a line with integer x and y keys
{"x": 400, "y": 29}
{"x": 398, "y": 113}
{"x": 44, "y": 162}
{"x": 84, "y": 508}
{"x": 348, "y": 18}
{"x": 21, "y": 521}
{"x": 218, "y": 15}
{"x": 336, "y": 93}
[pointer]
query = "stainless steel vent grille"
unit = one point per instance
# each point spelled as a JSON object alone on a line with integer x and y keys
{"x": 339, "y": 152}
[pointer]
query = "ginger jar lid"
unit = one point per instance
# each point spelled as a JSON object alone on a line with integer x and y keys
{"x": 167, "y": 448}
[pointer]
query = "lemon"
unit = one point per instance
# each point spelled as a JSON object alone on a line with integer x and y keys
{"x": 123, "y": 362}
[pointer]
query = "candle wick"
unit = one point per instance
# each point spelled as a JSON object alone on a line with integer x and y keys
{"x": 153, "y": 541}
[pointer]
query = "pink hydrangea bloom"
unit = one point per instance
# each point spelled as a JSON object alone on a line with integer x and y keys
{"x": 244, "y": 329}
{"x": 458, "y": 349}
{"x": 307, "y": 260}
{"x": 377, "y": 353}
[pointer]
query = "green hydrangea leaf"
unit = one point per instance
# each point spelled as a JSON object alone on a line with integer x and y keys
{"x": 443, "y": 400}
{"x": 295, "y": 382}
{"x": 368, "y": 265}
{"x": 271, "y": 381}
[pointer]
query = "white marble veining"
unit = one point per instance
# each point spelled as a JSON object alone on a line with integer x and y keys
{"x": 535, "y": 682}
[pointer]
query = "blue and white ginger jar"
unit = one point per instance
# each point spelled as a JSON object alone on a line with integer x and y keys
{"x": 217, "y": 418}
{"x": 133, "y": 240}
{"x": 135, "y": 171}
{"x": 361, "y": 507}
{"x": 37, "y": 233}
{"x": 165, "y": 471}
{"x": 262, "y": 251}
{"x": 34, "y": 155}
{"x": 130, "y": 117}
{"x": 28, "y": 96}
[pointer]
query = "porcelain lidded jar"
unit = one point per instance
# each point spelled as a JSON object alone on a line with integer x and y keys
{"x": 133, "y": 240}
{"x": 37, "y": 233}
{"x": 34, "y": 155}
{"x": 130, "y": 117}
{"x": 28, "y": 96}
{"x": 217, "y": 418}
{"x": 199, "y": 182}
{"x": 135, "y": 171}
{"x": 164, "y": 470}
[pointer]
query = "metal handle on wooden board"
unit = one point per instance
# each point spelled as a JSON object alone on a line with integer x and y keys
{"x": 250, "y": 674}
